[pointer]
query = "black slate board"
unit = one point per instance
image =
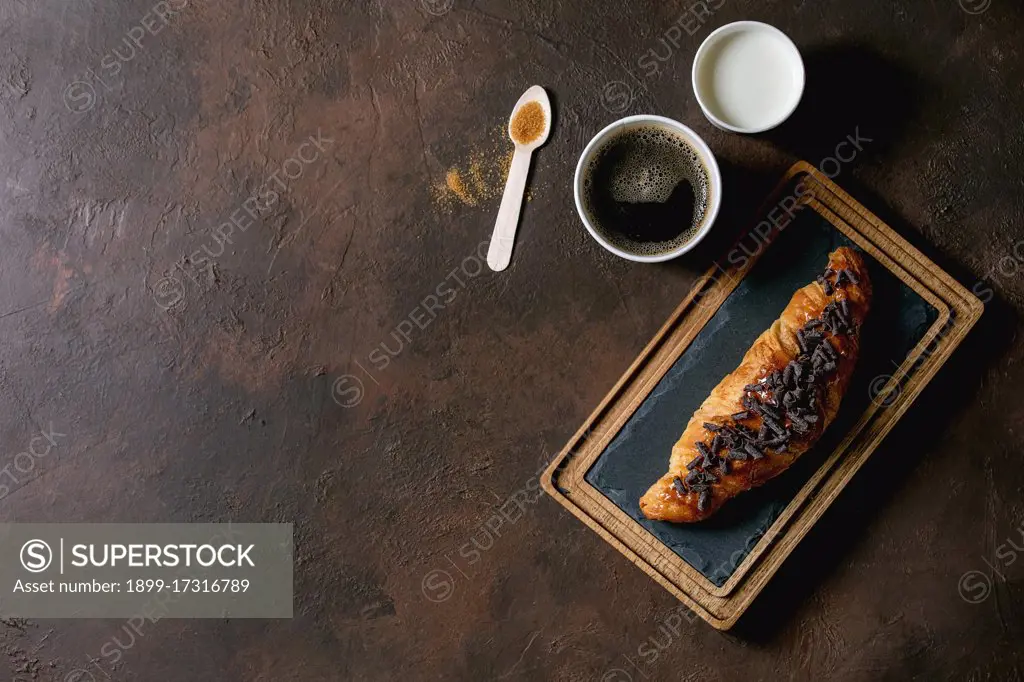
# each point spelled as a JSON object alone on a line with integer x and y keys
{"x": 639, "y": 453}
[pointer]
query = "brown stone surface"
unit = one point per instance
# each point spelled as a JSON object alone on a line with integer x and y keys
{"x": 193, "y": 391}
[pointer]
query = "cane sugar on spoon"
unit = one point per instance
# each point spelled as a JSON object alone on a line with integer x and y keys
{"x": 528, "y": 123}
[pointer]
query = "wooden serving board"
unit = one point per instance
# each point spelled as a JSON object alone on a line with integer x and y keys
{"x": 919, "y": 316}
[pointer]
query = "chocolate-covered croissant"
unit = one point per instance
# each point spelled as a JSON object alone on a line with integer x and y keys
{"x": 776, "y": 404}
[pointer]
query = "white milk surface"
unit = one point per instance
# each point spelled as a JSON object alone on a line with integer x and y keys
{"x": 749, "y": 79}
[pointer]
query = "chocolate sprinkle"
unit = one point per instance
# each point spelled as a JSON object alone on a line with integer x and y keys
{"x": 774, "y": 425}
{"x": 745, "y": 432}
{"x": 771, "y": 411}
{"x": 677, "y": 485}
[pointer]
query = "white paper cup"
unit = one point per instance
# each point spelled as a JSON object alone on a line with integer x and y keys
{"x": 748, "y": 77}
{"x": 714, "y": 198}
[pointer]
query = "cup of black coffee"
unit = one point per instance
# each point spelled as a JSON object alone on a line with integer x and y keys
{"x": 647, "y": 188}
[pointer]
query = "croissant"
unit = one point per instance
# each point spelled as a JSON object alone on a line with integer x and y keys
{"x": 776, "y": 404}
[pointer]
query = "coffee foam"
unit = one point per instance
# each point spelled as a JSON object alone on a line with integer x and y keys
{"x": 655, "y": 160}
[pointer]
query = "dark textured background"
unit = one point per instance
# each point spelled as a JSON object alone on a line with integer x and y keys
{"x": 225, "y": 405}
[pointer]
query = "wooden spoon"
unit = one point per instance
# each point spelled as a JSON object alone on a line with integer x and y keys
{"x": 500, "y": 251}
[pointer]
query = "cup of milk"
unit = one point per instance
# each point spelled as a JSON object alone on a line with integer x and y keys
{"x": 748, "y": 77}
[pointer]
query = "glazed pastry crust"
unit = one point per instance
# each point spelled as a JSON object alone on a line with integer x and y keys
{"x": 772, "y": 351}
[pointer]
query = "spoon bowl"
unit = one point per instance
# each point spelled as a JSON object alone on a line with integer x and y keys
{"x": 539, "y": 95}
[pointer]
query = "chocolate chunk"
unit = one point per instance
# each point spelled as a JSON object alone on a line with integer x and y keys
{"x": 843, "y": 318}
{"x": 745, "y": 414}
{"x": 768, "y": 410}
{"x": 745, "y": 433}
{"x": 713, "y": 428}
{"x": 702, "y": 503}
{"x": 677, "y": 485}
{"x": 774, "y": 425}
{"x": 694, "y": 462}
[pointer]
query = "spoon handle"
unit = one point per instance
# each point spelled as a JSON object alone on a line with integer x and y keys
{"x": 500, "y": 251}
